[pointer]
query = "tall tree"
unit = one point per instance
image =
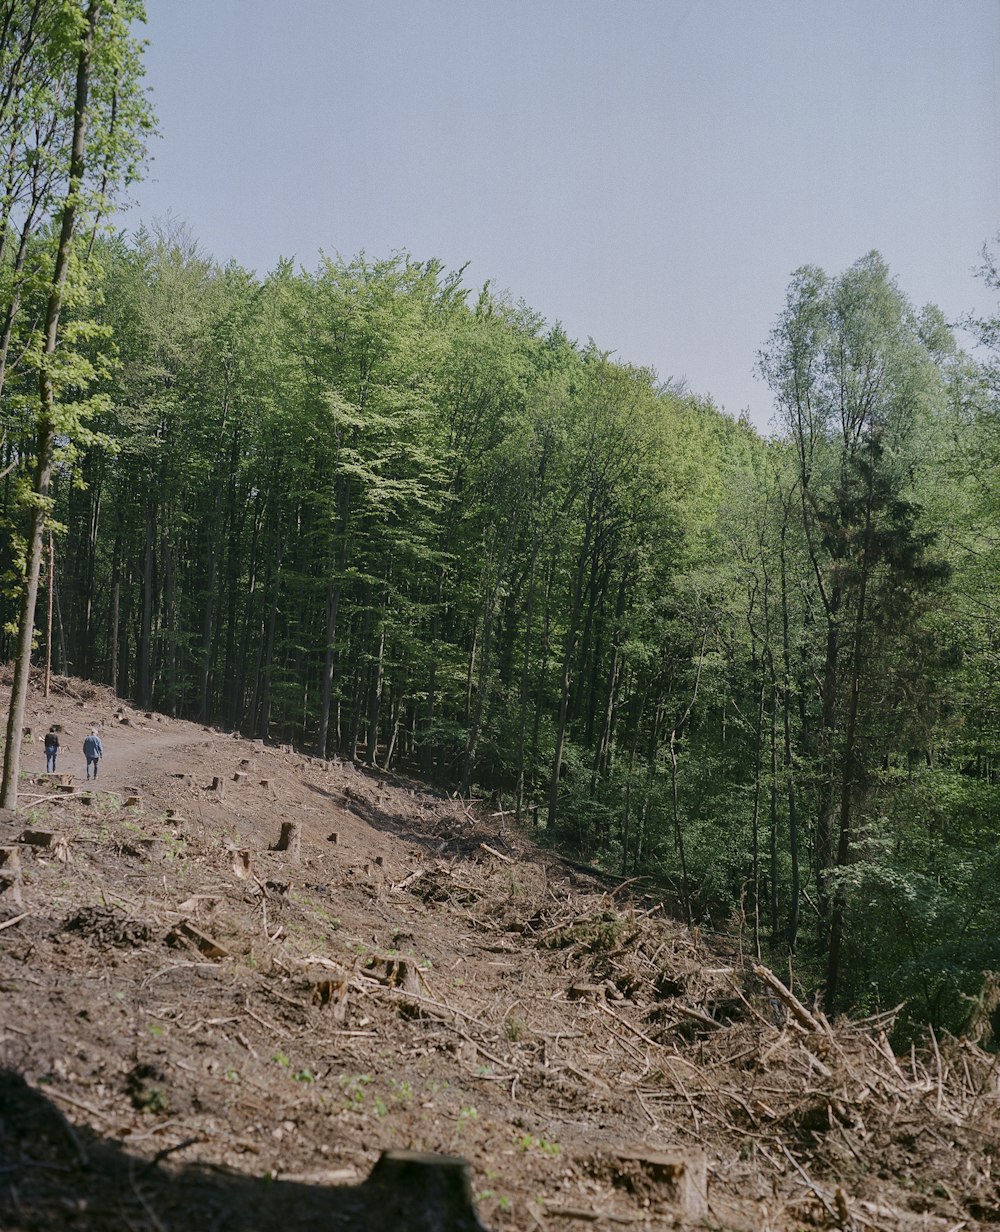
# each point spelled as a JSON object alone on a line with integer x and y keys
{"x": 104, "y": 56}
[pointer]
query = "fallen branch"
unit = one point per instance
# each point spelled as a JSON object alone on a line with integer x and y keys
{"x": 788, "y": 999}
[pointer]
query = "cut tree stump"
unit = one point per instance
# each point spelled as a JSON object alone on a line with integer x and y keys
{"x": 240, "y": 776}
{"x": 333, "y": 838}
{"x": 423, "y": 1192}
{"x": 55, "y": 843}
{"x": 401, "y": 973}
{"x": 133, "y": 802}
{"x": 683, "y": 1173}
{"x": 10, "y": 874}
{"x": 243, "y": 863}
{"x": 290, "y": 840}
{"x": 153, "y": 849}
{"x": 216, "y": 784}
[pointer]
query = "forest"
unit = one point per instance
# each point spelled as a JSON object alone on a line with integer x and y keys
{"x": 372, "y": 511}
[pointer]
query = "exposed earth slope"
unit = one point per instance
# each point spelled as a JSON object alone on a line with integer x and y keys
{"x": 199, "y": 1032}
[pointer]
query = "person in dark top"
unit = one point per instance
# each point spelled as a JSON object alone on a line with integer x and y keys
{"x": 93, "y": 750}
{"x": 51, "y": 750}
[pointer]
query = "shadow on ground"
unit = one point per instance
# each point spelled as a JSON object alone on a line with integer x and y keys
{"x": 57, "y": 1175}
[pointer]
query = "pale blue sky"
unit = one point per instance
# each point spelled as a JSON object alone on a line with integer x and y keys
{"x": 649, "y": 173}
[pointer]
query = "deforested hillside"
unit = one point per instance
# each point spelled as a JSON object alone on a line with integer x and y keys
{"x": 201, "y": 1031}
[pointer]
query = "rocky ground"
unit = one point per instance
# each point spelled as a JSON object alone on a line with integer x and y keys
{"x": 198, "y": 1031}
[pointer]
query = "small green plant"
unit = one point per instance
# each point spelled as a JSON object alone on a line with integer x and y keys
{"x": 513, "y": 1028}
{"x": 281, "y": 1059}
{"x": 304, "y": 1075}
{"x": 529, "y": 1142}
{"x": 401, "y": 1091}
{"x": 232, "y": 1075}
{"x": 353, "y": 1088}
{"x": 155, "y": 1030}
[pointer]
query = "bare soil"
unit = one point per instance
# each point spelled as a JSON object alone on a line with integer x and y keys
{"x": 200, "y": 1032}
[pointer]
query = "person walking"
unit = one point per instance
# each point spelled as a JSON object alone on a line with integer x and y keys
{"x": 93, "y": 750}
{"x": 51, "y": 750}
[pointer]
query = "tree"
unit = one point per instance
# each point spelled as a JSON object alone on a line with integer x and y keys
{"x": 854, "y": 379}
{"x": 105, "y": 74}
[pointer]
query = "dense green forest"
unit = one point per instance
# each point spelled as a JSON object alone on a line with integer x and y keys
{"x": 372, "y": 511}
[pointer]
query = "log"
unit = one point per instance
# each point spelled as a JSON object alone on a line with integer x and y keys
{"x": 208, "y": 945}
{"x": 422, "y": 1192}
{"x": 290, "y": 840}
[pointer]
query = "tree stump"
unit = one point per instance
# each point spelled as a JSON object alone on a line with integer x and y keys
{"x": 240, "y": 776}
{"x": 683, "y": 1173}
{"x": 243, "y": 863}
{"x": 10, "y": 874}
{"x": 333, "y": 838}
{"x": 216, "y": 784}
{"x": 133, "y": 802}
{"x": 422, "y": 1192}
{"x": 152, "y": 849}
{"x": 290, "y": 840}
{"x": 57, "y": 844}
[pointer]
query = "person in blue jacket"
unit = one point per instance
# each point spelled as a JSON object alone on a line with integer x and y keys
{"x": 93, "y": 750}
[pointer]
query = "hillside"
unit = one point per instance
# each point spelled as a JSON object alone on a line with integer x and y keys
{"x": 200, "y": 1032}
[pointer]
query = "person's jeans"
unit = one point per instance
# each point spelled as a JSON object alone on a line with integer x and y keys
{"x": 92, "y": 761}
{"x": 50, "y": 760}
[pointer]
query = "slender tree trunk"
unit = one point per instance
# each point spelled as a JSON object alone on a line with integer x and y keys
{"x": 46, "y": 421}
{"x": 566, "y": 678}
{"x": 788, "y": 765}
{"x": 522, "y": 727}
{"x": 48, "y": 623}
{"x": 146, "y": 628}
{"x": 115, "y": 605}
{"x": 850, "y": 767}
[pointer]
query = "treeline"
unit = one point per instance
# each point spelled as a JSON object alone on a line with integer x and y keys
{"x": 369, "y": 511}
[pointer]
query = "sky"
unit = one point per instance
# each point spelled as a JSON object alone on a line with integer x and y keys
{"x": 646, "y": 172}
